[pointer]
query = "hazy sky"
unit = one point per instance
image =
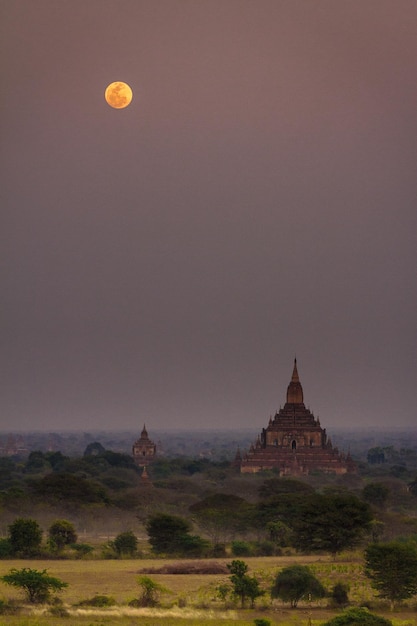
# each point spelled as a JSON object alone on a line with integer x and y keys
{"x": 257, "y": 200}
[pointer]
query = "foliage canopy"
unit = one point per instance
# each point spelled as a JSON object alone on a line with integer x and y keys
{"x": 37, "y": 585}
{"x": 358, "y": 617}
{"x": 61, "y": 533}
{"x": 126, "y": 543}
{"x": 25, "y": 536}
{"x": 296, "y": 582}
{"x": 244, "y": 586}
{"x": 331, "y": 522}
{"x": 392, "y": 568}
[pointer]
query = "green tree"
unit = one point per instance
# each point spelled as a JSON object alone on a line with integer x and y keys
{"x": 279, "y": 533}
{"x": 37, "y": 585}
{"x": 296, "y": 582}
{"x": 392, "y": 568}
{"x": 6, "y": 549}
{"x": 150, "y": 592}
{"x": 279, "y": 486}
{"x": 193, "y": 546}
{"x": 65, "y": 487}
{"x": 126, "y": 543}
{"x": 358, "y": 617}
{"x": 285, "y": 508}
{"x": 166, "y": 531}
{"x": 82, "y": 549}
{"x": 339, "y": 594}
{"x": 376, "y": 494}
{"x": 94, "y": 449}
{"x": 376, "y": 455}
{"x": 376, "y": 530}
{"x": 331, "y": 522}
{"x": 56, "y": 460}
{"x": 169, "y": 534}
{"x": 25, "y": 536}
{"x": 37, "y": 463}
{"x": 221, "y": 515}
{"x": 244, "y": 586}
{"x": 61, "y": 533}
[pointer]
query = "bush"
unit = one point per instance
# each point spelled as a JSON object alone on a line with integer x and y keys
{"x": 61, "y": 534}
{"x": 260, "y": 621}
{"x": 241, "y": 548}
{"x": 25, "y": 536}
{"x": 267, "y": 548}
{"x": 126, "y": 544}
{"x": 296, "y": 582}
{"x": 82, "y": 549}
{"x": 37, "y": 585}
{"x": 339, "y": 594}
{"x": 218, "y": 551}
{"x": 6, "y": 548}
{"x": 98, "y": 601}
{"x": 193, "y": 546}
{"x": 150, "y": 592}
{"x": 358, "y": 617}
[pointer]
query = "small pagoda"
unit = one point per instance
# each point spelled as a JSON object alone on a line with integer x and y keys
{"x": 294, "y": 442}
{"x": 143, "y": 450}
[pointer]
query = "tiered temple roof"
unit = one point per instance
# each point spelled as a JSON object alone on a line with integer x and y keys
{"x": 294, "y": 441}
{"x": 143, "y": 450}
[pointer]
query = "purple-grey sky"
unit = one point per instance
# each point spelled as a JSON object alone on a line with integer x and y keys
{"x": 257, "y": 200}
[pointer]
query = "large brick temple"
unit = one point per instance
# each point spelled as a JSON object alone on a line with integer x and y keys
{"x": 294, "y": 441}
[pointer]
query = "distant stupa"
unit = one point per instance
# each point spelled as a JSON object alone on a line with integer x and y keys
{"x": 143, "y": 450}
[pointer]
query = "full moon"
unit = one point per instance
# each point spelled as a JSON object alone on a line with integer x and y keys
{"x": 118, "y": 95}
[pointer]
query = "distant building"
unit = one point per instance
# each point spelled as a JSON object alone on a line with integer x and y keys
{"x": 14, "y": 446}
{"x": 144, "y": 450}
{"x": 294, "y": 442}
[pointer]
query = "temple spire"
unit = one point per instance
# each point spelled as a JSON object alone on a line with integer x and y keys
{"x": 295, "y": 390}
{"x": 295, "y": 378}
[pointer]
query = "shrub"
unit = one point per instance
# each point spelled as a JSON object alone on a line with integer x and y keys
{"x": 339, "y": 594}
{"x": 267, "y": 548}
{"x": 82, "y": 549}
{"x": 25, "y": 536}
{"x": 61, "y": 534}
{"x": 98, "y": 601}
{"x": 218, "y": 551}
{"x": 126, "y": 543}
{"x": 150, "y": 592}
{"x": 296, "y": 582}
{"x": 241, "y": 548}
{"x": 193, "y": 545}
{"x": 358, "y": 617}
{"x": 37, "y": 585}
{"x": 6, "y": 548}
{"x": 260, "y": 621}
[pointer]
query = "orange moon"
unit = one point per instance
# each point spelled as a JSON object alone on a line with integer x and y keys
{"x": 118, "y": 95}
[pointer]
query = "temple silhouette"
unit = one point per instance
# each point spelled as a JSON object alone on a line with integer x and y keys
{"x": 143, "y": 450}
{"x": 294, "y": 442}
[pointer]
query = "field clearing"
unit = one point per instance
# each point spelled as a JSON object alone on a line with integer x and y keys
{"x": 118, "y": 578}
{"x": 195, "y": 593}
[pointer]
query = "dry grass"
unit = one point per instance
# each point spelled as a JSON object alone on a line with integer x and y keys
{"x": 195, "y": 592}
{"x": 118, "y": 578}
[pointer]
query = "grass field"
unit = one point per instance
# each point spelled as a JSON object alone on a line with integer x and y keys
{"x": 191, "y": 598}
